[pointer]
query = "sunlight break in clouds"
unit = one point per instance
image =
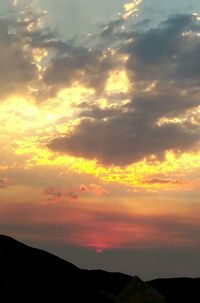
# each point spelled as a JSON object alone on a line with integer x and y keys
{"x": 131, "y": 8}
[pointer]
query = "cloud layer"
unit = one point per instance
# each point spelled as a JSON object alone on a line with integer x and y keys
{"x": 163, "y": 71}
{"x": 156, "y": 113}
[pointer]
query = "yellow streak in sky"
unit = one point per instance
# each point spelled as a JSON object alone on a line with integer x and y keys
{"x": 26, "y": 128}
{"x": 172, "y": 173}
{"x": 75, "y": 94}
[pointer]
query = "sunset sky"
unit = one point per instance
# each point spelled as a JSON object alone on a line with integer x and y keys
{"x": 100, "y": 132}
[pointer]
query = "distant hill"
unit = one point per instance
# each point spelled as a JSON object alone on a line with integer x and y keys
{"x": 28, "y": 274}
{"x": 178, "y": 290}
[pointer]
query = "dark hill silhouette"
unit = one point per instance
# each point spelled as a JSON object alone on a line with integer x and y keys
{"x": 28, "y": 274}
{"x": 178, "y": 290}
{"x": 26, "y": 271}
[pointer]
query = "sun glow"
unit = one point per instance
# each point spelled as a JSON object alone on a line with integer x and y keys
{"x": 39, "y": 54}
{"x": 118, "y": 82}
{"x": 75, "y": 94}
{"x": 169, "y": 175}
{"x": 29, "y": 128}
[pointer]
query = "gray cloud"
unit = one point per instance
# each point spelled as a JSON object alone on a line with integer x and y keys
{"x": 166, "y": 53}
{"x": 111, "y": 28}
{"x": 122, "y": 141}
{"x": 17, "y": 69}
{"x": 128, "y": 135}
{"x": 124, "y": 136}
{"x": 162, "y": 43}
{"x": 89, "y": 67}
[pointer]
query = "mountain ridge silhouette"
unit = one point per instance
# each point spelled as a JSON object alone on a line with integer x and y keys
{"x": 28, "y": 274}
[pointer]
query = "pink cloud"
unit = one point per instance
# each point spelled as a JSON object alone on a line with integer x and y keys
{"x": 58, "y": 194}
{"x": 4, "y": 182}
{"x": 93, "y": 189}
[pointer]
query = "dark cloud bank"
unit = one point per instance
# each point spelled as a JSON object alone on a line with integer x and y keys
{"x": 166, "y": 57}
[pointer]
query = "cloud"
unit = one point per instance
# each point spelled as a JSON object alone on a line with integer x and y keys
{"x": 163, "y": 181}
{"x": 35, "y": 61}
{"x": 124, "y": 139}
{"x": 4, "y": 183}
{"x": 162, "y": 65}
{"x": 26, "y": 67}
{"x": 168, "y": 52}
{"x": 111, "y": 28}
{"x": 17, "y": 68}
{"x": 89, "y": 67}
{"x": 58, "y": 194}
{"x": 131, "y": 8}
{"x": 164, "y": 98}
{"x": 94, "y": 189}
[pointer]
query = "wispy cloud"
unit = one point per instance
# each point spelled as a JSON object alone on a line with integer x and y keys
{"x": 94, "y": 189}
{"x": 5, "y": 182}
{"x": 59, "y": 194}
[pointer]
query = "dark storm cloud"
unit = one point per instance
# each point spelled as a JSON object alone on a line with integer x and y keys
{"x": 168, "y": 55}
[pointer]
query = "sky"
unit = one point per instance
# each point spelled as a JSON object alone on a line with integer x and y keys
{"x": 100, "y": 132}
